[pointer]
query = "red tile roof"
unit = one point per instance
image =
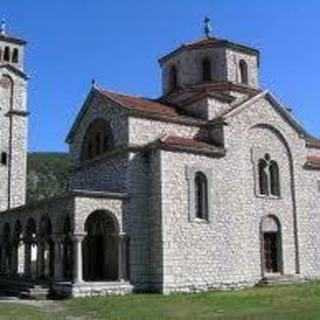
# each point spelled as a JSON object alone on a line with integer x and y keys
{"x": 141, "y": 104}
{"x": 313, "y": 143}
{"x": 186, "y": 142}
{"x": 208, "y": 43}
{"x": 313, "y": 162}
{"x": 191, "y": 145}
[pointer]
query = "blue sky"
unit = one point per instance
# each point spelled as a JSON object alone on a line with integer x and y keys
{"x": 118, "y": 43}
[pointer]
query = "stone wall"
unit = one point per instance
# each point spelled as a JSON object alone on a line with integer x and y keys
{"x": 13, "y": 121}
{"x": 99, "y": 108}
{"x": 226, "y": 250}
{"x": 106, "y": 174}
{"x": 224, "y": 67}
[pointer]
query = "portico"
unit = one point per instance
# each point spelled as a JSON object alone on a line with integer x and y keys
{"x": 69, "y": 246}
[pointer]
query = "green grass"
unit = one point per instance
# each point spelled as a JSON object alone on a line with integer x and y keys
{"x": 300, "y": 302}
{"x": 286, "y": 302}
{"x": 11, "y": 311}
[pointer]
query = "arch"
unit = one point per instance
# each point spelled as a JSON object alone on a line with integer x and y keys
{"x": 18, "y": 248}
{"x": 6, "y": 54}
{"x": 274, "y": 178}
{"x": 46, "y": 249}
{"x": 201, "y": 195}
{"x": 98, "y": 139}
{"x": 206, "y": 70}
{"x": 15, "y": 55}
{"x": 282, "y": 138}
{"x": 31, "y": 248}
{"x": 243, "y": 66}
{"x": 271, "y": 245}
{"x": 173, "y": 78}
{"x": 101, "y": 247}
{"x": 7, "y": 247}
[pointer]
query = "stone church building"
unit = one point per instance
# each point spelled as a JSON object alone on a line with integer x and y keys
{"x": 214, "y": 185}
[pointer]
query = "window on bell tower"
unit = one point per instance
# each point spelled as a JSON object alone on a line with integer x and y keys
{"x": 206, "y": 70}
{"x": 15, "y": 55}
{"x": 173, "y": 78}
{"x": 6, "y": 55}
{"x": 243, "y": 72}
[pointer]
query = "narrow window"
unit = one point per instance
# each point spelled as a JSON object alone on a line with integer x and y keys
{"x": 173, "y": 78}
{"x": 6, "y": 56}
{"x": 15, "y": 55}
{"x": 274, "y": 178}
{"x": 107, "y": 140}
{"x": 263, "y": 177}
{"x": 201, "y": 196}
{"x": 243, "y": 71}
{"x": 4, "y": 158}
{"x": 90, "y": 151}
{"x": 98, "y": 143}
{"x": 0, "y": 54}
{"x": 98, "y": 139}
{"x": 206, "y": 70}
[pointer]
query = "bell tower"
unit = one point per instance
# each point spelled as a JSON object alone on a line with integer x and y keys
{"x": 209, "y": 60}
{"x": 13, "y": 121}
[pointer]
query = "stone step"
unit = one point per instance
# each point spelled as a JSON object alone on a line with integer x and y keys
{"x": 281, "y": 279}
{"x": 25, "y": 289}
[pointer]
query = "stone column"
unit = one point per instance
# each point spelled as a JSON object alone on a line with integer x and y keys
{"x": 123, "y": 259}
{"x": 58, "y": 257}
{"x": 77, "y": 257}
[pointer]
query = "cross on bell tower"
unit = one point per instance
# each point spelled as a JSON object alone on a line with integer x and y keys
{"x": 207, "y": 27}
{"x": 3, "y": 27}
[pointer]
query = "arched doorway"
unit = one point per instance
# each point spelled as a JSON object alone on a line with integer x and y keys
{"x": 7, "y": 248}
{"x": 31, "y": 249}
{"x": 67, "y": 249}
{"x": 271, "y": 245}
{"x": 46, "y": 250}
{"x": 100, "y": 247}
{"x": 19, "y": 249}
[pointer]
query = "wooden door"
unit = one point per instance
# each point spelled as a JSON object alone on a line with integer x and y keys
{"x": 271, "y": 252}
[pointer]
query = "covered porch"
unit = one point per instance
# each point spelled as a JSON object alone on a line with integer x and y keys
{"x": 74, "y": 245}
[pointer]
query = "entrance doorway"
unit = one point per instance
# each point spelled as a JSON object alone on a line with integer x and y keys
{"x": 100, "y": 247}
{"x": 270, "y": 252}
{"x": 271, "y": 245}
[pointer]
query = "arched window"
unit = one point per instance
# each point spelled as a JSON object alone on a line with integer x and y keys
{"x": 98, "y": 139}
{"x": 6, "y": 55}
{"x": 274, "y": 178}
{"x": 206, "y": 70}
{"x": 201, "y": 196}
{"x": 269, "y": 176}
{"x": 243, "y": 71}
{"x": 263, "y": 177}
{"x": 173, "y": 78}
{"x": 15, "y": 55}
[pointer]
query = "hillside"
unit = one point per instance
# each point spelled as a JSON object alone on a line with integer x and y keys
{"x": 48, "y": 175}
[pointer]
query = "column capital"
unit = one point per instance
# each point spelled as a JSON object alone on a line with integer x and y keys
{"x": 123, "y": 235}
{"x": 58, "y": 237}
{"x": 78, "y": 237}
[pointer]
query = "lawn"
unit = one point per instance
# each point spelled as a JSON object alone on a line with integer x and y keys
{"x": 277, "y": 303}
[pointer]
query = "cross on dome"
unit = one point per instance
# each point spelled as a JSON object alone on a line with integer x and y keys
{"x": 207, "y": 27}
{"x": 3, "y": 27}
